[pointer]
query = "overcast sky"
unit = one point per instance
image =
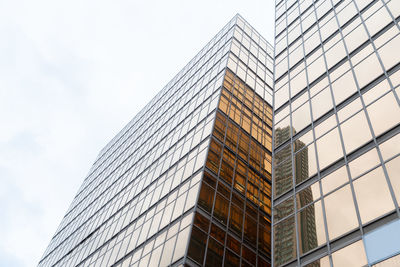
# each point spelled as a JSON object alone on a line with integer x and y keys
{"x": 72, "y": 74}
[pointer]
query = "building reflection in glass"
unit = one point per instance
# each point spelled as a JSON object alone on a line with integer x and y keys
{"x": 285, "y": 231}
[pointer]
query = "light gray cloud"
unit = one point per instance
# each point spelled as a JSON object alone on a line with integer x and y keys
{"x": 72, "y": 74}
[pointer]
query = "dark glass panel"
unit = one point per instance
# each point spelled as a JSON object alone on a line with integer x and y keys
{"x": 249, "y": 255}
{"x": 209, "y": 179}
{"x": 206, "y": 197}
{"x": 263, "y": 263}
{"x": 214, "y": 253}
{"x": 202, "y": 222}
{"x": 231, "y": 260}
{"x": 236, "y": 219}
{"x": 233, "y": 244}
{"x": 197, "y": 245}
{"x": 221, "y": 209}
{"x": 216, "y": 147}
{"x": 264, "y": 237}
{"x": 213, "y": 161}
{"x": 217, "y": 233}
{"x": 250, "y": 230}
{"x": 223, "y": 190}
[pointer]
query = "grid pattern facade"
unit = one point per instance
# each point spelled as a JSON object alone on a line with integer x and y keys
{"x": 234, "y": 216}
{"x": 255, "y": 155}
{"x": 142, "y": 195}
{"x": 336, "y": 130}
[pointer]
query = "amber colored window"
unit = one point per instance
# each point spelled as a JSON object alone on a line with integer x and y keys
{"x": 240, "y": 162}
{"x": 214, "y": 253}
{"x": 206, "y": 197}
{"x": 197, "y": 245}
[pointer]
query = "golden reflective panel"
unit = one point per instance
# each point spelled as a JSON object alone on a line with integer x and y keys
{"x": 340, "y": 212}
{"x": 197, "y": 245}
{"x": 352, "y": 140}
{"x": 334, "y": 180}
{"x": 329, "y": 148}
{"x": 393, "y": 169}
{"x": 378, "y": 113}
{"x": 240, "y": 198}
{"x": 311, "y": 227}
{"x": 352, "y": 255}
{"x": 373, "y": 196}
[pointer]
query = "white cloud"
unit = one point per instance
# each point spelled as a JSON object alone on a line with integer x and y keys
{"x": 72, "y": 74}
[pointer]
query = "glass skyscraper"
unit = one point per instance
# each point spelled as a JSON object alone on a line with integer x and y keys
{"x": 188, "y": 180}
{"x": 336, "y": 135}
{"x": 257, "y": 155}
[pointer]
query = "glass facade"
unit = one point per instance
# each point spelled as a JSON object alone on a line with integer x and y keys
{"x": 336, "y": 132}
{"x": 257, "y": 155}
{"x": 188, "y": 180}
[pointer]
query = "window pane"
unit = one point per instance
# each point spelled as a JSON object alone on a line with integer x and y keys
{"x": 390, "y": 147}
{"x": 343, "y": 87}
{"x": 352, "y": 255}
{"x": 323, "y": 262}
{"x": 363, "y": 163}
{"x": 301, "y": 117}
{"x": 393, "y": 169}
{"x": 197, "y": 245}
{"x": 383, "y": 242}
{"x": 340, "y": 212}
{"x": 285, "y": 241}
{"x": 378, "y": 113}
{"x": 373, "y": 196}
{"x": 352, "y": 140}
{"x": 329, "y": 148}
{"x": 321, "y": 103}
{"x": 305, "y": 163}
{"x": 311, "y": 227}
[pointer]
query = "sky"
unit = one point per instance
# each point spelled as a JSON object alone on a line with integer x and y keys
{"x": 72, "y": 74}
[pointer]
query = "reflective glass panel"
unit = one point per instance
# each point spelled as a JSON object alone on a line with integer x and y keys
{"x": 340, "y": 212}
{"x": 352, "y": 255}
{"x": 373, "y": 196}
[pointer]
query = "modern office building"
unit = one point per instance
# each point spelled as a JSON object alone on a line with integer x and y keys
{"x": 257, "y": 155}
{"x": 188, "y": 180}
{"x": 336, "y": 135}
